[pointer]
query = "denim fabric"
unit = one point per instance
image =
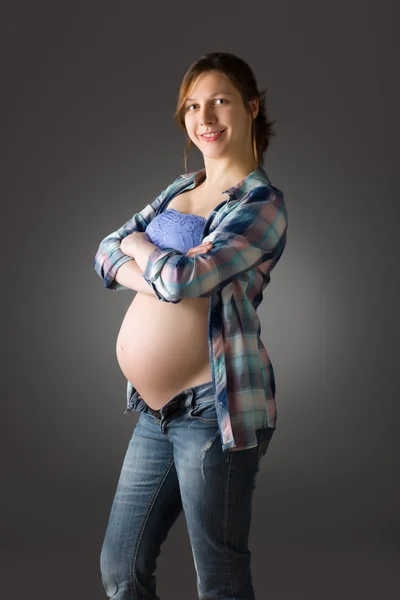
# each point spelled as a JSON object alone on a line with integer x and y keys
{"x": 174, "y": 462}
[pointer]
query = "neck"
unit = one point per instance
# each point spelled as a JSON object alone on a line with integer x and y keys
{"x": 223, "y": 175}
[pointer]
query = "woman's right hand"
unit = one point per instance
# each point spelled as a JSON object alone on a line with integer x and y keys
{"x": 202, "y": 249}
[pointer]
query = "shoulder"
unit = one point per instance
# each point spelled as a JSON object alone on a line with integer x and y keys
{"x": 183, "y": 178}
{"x": 265, "y": 192}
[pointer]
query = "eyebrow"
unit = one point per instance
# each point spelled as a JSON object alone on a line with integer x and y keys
{"x": 211, "y": 96}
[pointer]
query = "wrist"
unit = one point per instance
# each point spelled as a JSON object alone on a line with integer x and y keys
{"x": 135, "y": 244}
{"x": 129, "y": 245}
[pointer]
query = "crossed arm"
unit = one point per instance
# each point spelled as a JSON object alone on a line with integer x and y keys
{"x": 254, "y": 232}
{"x": 130, "y": 274}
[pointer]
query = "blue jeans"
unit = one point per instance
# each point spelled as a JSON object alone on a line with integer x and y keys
{"x": 174, "y": 461}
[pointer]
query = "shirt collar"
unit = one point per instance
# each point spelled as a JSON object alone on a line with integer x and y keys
{"x": 242, "y": 187}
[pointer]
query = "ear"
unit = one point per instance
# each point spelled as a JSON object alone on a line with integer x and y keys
{"x": 254, "y": 107}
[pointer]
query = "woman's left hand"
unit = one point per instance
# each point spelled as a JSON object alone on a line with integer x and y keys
{"x": 129, "y": 242}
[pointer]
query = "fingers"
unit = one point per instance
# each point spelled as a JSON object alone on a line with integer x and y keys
{"x": 202, "y": 249}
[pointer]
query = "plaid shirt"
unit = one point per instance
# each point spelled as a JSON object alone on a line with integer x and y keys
{"x": 248, "y": 233}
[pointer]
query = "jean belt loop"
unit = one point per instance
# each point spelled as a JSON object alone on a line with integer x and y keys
{"x": 190, "y": 396}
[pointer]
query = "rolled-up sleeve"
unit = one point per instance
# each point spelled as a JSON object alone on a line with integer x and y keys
{"x": 252, "y": 233}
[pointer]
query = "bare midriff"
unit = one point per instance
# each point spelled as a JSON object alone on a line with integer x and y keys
{"x": 162, "y": 348}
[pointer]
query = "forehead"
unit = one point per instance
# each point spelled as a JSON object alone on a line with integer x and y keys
{"x": 209, "y": 83}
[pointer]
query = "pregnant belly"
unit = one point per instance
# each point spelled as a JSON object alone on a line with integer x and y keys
{"x": 162, "y": 348}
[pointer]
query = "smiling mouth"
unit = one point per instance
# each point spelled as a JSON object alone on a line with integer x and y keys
{"x": 213, "y": 136}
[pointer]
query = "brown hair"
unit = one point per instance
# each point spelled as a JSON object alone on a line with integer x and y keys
{"x": 241, "y": 76}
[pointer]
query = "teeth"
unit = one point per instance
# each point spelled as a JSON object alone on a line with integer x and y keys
{"x": 211, "y": 134}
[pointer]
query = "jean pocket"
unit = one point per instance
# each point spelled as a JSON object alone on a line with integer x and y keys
{"x": 204, "y": 411}
{"x": 264, "y": 438}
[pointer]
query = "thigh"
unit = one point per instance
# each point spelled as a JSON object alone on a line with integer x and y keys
{"x": 147, "y": 502}
{"x": 217, "y": 491}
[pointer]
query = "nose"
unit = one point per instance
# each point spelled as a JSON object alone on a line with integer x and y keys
{"x": 206, "y": 115}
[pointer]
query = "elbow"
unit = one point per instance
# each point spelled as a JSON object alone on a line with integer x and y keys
{"x": 107, "y": 261}
{"x": 99, "y": 261}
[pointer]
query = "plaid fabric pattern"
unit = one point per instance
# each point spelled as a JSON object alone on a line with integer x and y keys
{"x": 248, "y": 232}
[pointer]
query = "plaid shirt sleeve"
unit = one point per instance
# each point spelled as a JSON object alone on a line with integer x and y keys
{"x": 109, "y": 256}
{"x": 252, "y": 233}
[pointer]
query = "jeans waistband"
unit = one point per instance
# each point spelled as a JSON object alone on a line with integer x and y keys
{"x": 188, "y": 396}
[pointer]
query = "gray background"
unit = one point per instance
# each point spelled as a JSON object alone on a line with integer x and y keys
{"x": 88, "y": 94}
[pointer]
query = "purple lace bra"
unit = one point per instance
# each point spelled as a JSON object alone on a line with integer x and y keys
{"x": 173, "y": 229}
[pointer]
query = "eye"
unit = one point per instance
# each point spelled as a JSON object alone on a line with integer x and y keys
{"x": 216, "y": 100}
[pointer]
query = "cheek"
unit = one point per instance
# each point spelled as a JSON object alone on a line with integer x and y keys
{"x": 189, "y": 125}
{"x": 191, "y": 131}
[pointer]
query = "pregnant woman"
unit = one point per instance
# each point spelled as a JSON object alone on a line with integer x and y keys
{"x": 199, "y": 257}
